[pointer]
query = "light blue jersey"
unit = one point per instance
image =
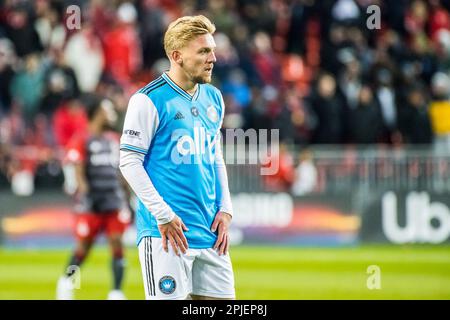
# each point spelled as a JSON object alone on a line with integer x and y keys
{"x": 179, "y": 142}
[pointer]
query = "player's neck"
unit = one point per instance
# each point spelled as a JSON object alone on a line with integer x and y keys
{"x": 182, "y": 80}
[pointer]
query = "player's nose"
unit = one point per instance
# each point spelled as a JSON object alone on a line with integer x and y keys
{"x": 212, "y": 57}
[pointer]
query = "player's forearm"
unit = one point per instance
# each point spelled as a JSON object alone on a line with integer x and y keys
{"x": 222, "y": 176}
{"x": 80, "y": 178}
{"x": 131, "y": 166}
{"x": 226, "y": 205}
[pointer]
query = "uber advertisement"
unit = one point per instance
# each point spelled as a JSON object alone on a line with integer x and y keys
{"x": 404, "y": 217}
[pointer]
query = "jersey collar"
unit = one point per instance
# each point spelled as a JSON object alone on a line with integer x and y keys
{"x": 181, "y": 91}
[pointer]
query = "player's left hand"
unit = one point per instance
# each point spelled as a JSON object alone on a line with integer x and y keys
{"x": 221, "y": 223}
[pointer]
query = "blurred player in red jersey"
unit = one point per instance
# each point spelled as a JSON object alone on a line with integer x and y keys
{"x": 99, "y": 196}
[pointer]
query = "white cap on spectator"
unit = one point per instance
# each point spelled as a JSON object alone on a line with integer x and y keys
{"x": 345, "y": 9}
{"x": 7, "y": 50}
{"x": 444, "y": 39}
{"x": 440, "y": 84}
{"x": 127, "y": 12}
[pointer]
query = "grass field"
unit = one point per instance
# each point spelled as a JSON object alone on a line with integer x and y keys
{"x": 407, "y": 272}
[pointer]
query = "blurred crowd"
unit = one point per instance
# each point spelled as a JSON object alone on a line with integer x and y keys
{"x": 315, "y": 70}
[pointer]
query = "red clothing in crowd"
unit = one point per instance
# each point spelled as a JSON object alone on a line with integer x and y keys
{"x": 283, "y": 178}
{"x": 68, "y": 121}
{"x": 121, "y": 48}
{"x": 439, "y": 20}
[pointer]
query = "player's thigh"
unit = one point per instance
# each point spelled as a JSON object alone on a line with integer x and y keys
{"x": 212, "y": 276}
{"x": 114, "y": 228}
{"x": 165, "y": 275}
{"x": 87, "y": 227}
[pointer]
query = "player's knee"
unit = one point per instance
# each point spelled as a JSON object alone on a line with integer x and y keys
{"x": 82, "y": 249}
{"x": 117, "y": 248}
{"x": 117, "y": 253}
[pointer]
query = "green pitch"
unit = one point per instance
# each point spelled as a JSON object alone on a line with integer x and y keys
{"x": 407, "y": 272}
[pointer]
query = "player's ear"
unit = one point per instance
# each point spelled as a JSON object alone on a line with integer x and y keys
{"x": 176, "y": 56}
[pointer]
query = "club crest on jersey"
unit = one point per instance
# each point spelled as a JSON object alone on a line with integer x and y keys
{"x": 167, "y": 284}
{"x": 194, "y": 111}
{"x": 212, "y": 114}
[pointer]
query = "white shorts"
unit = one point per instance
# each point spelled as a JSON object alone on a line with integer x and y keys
{"x": 199, "y": 272}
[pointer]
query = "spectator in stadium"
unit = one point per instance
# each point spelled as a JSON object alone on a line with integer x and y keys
{"x": 300, "y": 12}
{"x": 88, "y": 70}
{"x": 440, "y": 110}
{"x": 306, "y": 174}
{"x": 386, "y": 97}
{"x": 294, "y": 119}
{"x": 51, "y": 31}
{"x": 20, "y": 29}
{"x": 335, "y": 42}
{"x": 151, "y": 21}
{"x": 265, "y": 60}
{"x": 350, "y": 82}
{"x": 439, "y": 19}
{"x": 414, "y": 118}
{"x": 221, "y": 11}
{"x": 255, "y": 115}
{"x": 59, "y": 82}
{"x": 27, "y": 86}
{"x": 121, "y": 46}
{"x": 7, "y": 73}
{"x": 13, "y": 127}
{"x": 365, "y": 122}
{"x": 99, "y": 198}
{"x": 227, "y": 58}
{"x": 235, "y": 85}
{"x": 240, "y": 40}
{"x": 443, "y": 50}
{"x": 259, "y": 16}
{"x": 328, "y": 109}
{"x": 284, "y": 177}
{"x": 68, "y": 120}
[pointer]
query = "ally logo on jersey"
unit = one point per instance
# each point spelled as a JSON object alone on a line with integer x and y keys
{"x": 194, "y": 146}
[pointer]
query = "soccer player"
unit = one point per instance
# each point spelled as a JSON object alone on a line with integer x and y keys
{"x": 171, "y": 157}
{"x": 99, "y": 198}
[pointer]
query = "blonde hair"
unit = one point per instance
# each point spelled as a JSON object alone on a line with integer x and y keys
{"x": 185, "y": 29}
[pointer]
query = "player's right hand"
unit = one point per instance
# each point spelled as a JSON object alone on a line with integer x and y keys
{"x": 173, "y": 232}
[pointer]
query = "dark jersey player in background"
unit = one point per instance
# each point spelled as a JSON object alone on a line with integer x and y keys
{"x": 99, "y": 197}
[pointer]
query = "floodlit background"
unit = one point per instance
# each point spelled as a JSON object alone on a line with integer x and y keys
{"x": 360, "y": 205}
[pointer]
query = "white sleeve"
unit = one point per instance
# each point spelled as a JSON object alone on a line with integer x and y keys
{"x": 141, "y": 122}
{"x": 221, "y": 171}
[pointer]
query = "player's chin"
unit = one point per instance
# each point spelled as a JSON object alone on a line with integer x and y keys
{"x": 204, "y": 79}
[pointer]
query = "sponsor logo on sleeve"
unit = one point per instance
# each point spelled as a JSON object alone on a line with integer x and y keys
{"x": 132, "y": 133}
